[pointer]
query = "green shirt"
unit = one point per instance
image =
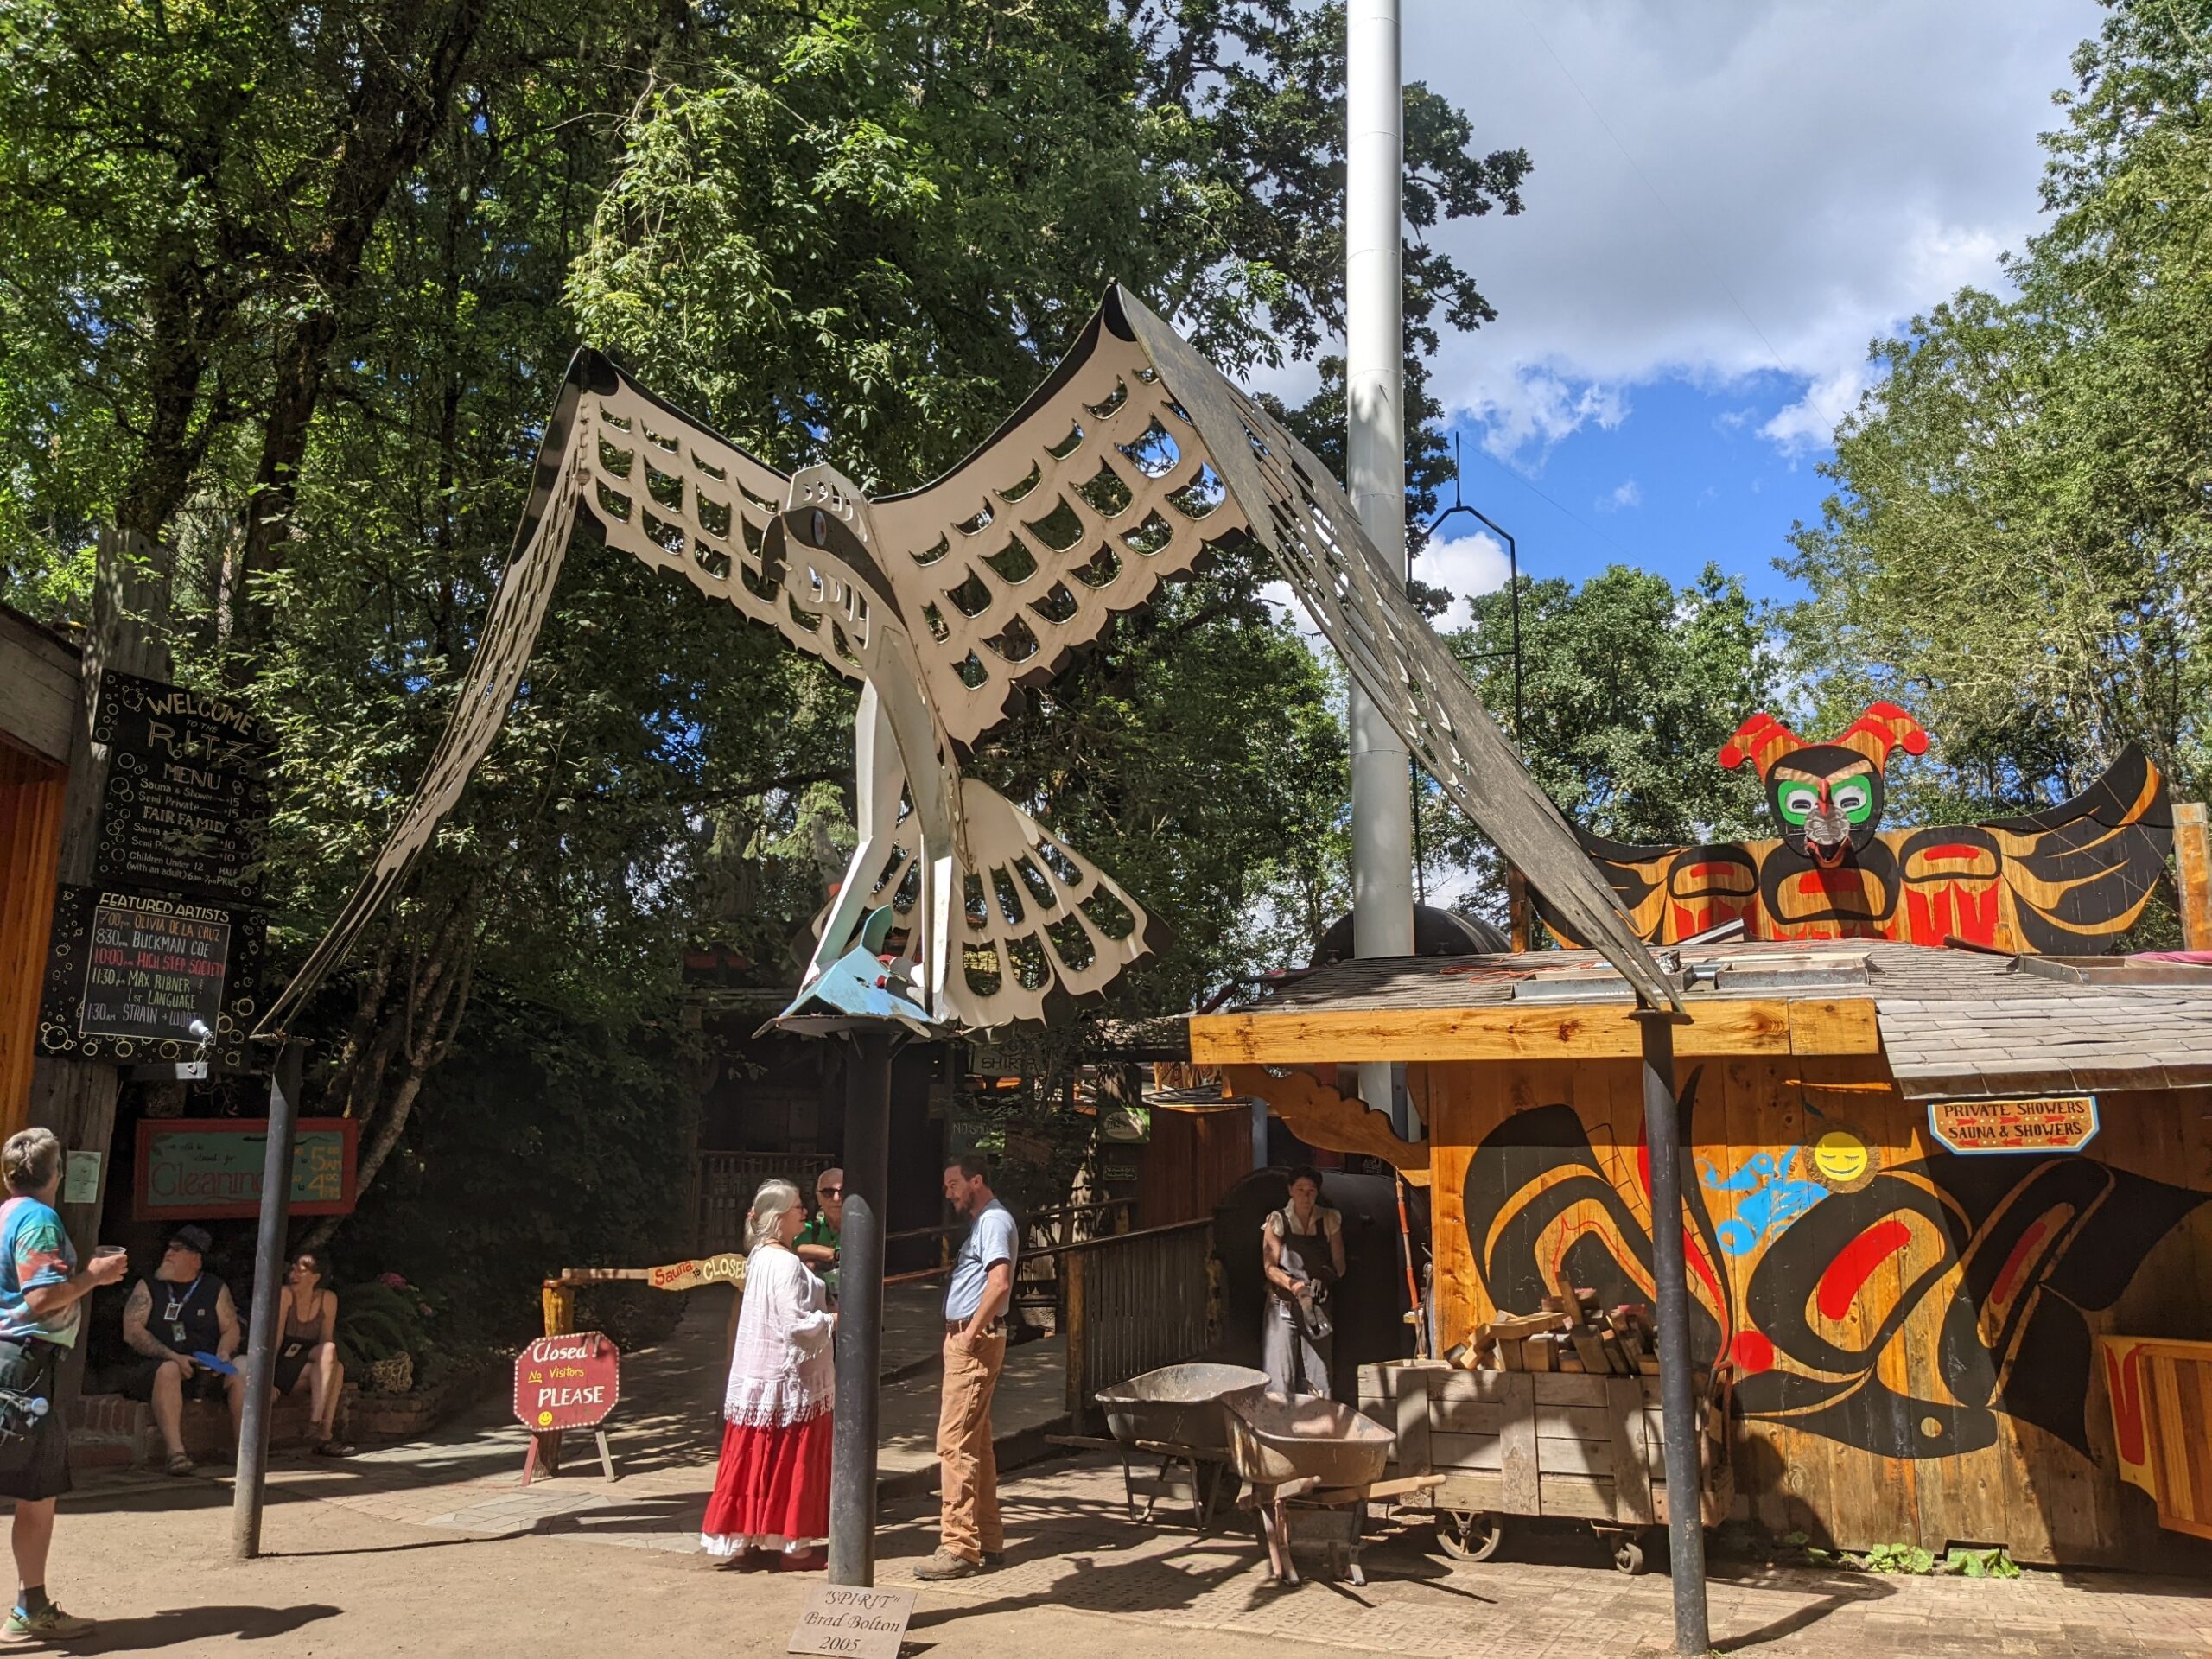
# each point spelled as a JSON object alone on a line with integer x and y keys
{"x": 819, "y": 1231}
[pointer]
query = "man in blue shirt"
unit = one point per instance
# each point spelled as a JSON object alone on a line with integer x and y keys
{"x": 976, "y": 1302}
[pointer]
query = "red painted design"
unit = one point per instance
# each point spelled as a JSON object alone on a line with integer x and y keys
{"x": 1954, "y": 849}
{"x": 2002, "y": 1291}
{"x": 2124, "y": 1380}
{"x": 1751, "y": 1353}
{"x": 1855, "y": 1263}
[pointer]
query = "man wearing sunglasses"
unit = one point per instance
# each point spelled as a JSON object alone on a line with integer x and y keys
{"x": 817, "y": 1244}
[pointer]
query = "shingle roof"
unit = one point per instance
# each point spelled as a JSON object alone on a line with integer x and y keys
{"x": 1953, "y": 1022}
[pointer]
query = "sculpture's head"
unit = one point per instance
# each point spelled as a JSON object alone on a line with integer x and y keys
{"x": 1826, "y": 798}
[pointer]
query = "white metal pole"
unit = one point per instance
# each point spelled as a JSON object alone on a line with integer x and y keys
{"x": 1382, "y": 803}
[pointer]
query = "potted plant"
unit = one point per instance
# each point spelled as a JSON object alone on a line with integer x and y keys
{"x": 381, "y": 1329}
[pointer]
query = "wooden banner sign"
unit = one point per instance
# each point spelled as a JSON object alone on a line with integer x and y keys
{"x": 2057, "y": 1124}
{"x": 858, "y": 1623}
{"x": 725, "y": 1269}
{"x": 209, "y": 1168}
{"x": 569, "y": 1382}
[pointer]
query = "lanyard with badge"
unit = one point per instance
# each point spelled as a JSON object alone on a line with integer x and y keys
{"x": 179, "y": 1301}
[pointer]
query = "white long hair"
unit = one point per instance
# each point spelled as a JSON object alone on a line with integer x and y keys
{"x": 769, "y": 1205}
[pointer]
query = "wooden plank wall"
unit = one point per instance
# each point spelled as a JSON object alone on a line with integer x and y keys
{"x": 31, "y": 790}
{"x": 1913, "y": 1332}
{"x": 1195, "y": 1157}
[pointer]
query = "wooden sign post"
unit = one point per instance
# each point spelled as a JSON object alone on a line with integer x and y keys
{"x": 564, "y": 1382}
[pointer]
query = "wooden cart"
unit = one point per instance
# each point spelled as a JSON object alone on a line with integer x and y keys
{"x": 1542, "y": 1443}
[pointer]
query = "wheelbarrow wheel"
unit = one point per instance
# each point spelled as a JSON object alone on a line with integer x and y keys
{"x": 1628, "y": 1556}
{"x": 1469, "y": 1536}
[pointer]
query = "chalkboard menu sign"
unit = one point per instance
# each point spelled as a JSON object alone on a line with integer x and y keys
{"x": 190, "y": 727}
{"x": 187, "y": 796}
{"x": 127, "y": 974}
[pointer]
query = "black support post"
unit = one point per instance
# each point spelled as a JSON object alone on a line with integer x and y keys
{"x": 1663, "y": 1135}
{"x": 860, "y": 1308}
{"x": 268, "y": 1282}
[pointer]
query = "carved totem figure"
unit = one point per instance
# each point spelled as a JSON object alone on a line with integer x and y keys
{"x": 2065, "y": 881}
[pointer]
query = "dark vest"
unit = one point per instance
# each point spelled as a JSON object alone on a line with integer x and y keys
{"x": 202, "y": 1330}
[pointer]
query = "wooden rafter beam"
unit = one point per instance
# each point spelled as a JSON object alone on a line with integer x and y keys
{"x": 1573, "y": 1032}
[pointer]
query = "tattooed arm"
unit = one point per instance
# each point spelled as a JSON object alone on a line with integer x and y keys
{"x": 135, "y": 1312}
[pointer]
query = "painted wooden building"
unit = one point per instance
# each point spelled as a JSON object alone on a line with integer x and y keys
{"x": 1909, "y": 1277}
{"x": 40, "y": 672}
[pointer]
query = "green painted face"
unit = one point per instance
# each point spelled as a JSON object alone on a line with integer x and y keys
{"x": 1798, "y": 800}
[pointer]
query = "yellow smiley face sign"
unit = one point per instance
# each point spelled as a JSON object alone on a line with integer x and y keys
{"x": 1841, "y": 1158}
{"x": 545, "y": 1420}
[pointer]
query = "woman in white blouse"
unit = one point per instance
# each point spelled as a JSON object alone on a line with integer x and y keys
{"x": 772, "y": 1490}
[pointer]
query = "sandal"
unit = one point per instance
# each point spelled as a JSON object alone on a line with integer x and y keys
{"x": 180, "y": 1463}
{"x": 332, "y": 1446}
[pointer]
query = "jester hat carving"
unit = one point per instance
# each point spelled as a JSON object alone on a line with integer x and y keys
{"x": 1826, "y": 798}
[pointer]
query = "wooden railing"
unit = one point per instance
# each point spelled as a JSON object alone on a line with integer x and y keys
{"x": 1131, "y": 1302}
{"x": 723, "y": 1183}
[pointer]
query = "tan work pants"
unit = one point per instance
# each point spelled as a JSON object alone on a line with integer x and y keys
{"x": 969, "y": 1472}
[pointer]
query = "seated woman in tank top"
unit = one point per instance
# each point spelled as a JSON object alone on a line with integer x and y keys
{"x": 307, "y": 1351}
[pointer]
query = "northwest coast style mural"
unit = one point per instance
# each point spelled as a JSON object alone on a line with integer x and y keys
{"x": 1898, "y": 1308}
{"x": 2064, "y": 881}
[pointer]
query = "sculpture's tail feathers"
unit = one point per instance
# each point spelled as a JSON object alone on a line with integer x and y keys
{"x": 1035, "y": 924}
{"x": 997, "y": 921}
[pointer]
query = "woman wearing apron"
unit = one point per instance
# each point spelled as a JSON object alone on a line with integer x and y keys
{"x": 1302, "y": 1253}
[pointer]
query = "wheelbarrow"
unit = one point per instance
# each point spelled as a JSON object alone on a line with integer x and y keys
{"x": 1175, "y": 1415}
{"x": 1312, "y": 1465}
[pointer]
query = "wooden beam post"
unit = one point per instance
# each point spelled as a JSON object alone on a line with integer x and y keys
{"x": 2193, "y": 874}
{"x": 76, "y": 1098}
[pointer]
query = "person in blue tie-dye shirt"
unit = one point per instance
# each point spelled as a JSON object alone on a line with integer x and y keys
{"x": 41, "y": 1290}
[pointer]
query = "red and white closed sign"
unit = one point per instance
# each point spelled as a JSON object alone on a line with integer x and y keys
{"x": 569, "y": 1382}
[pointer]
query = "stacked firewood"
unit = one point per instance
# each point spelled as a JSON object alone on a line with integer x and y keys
{"x": 1572, "y": 1333}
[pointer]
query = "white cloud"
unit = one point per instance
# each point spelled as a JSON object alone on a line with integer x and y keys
{"x": 1800, "y": 176}
{"x": 1537, "y": 409}
{"x": 1808, "y": 423}
{"x": 1467, "y": 565}
{"x": 1626, "y": 494}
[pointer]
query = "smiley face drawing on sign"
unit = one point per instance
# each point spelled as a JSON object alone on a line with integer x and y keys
{"x": 1843, "y": 1160}
{"x": 545, "y": 1420}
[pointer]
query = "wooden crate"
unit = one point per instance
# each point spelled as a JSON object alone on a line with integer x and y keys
{"x": 1541, "y": 1443}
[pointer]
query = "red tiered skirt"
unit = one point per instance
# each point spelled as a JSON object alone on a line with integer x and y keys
{"x": 770, "y": 1487}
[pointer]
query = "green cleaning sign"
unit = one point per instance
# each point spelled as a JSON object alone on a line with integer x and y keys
{"x": 210, "y": 1168}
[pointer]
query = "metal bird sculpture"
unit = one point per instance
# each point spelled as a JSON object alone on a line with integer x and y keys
{"x": 1118, "y": 473}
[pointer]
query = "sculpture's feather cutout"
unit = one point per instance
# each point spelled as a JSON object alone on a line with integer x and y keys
{"x": 1120, "y": 472}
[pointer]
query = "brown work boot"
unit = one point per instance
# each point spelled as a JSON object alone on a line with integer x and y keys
{"x": 944, "y": 1564}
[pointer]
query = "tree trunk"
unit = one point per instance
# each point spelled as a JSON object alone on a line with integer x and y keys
{"x": 394, "y": 119}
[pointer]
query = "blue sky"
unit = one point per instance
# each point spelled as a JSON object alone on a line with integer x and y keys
{"x": 1681, "y": 475}
{"x": 1729, "y": 200}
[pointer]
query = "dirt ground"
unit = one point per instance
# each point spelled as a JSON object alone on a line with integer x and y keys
{"x": 433, "y": 1549}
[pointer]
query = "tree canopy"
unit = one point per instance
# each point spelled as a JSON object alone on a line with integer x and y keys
{"x": 287, "y": 290}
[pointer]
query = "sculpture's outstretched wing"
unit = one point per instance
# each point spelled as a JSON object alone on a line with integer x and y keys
{"x": 1080, "y": 505}
{"x": 2081, "y": 872}
{"x": 659, "y": 485}
{"x": 677, "y": 495}
{"x": 1297, "y": 509}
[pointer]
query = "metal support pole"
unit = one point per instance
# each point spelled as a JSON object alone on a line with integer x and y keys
{"x": 860, "y": 1308}
{"x": 268, "y": 1284}
{"x": 1375, "y": 478}
{"x": 1677, "y": 1387}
